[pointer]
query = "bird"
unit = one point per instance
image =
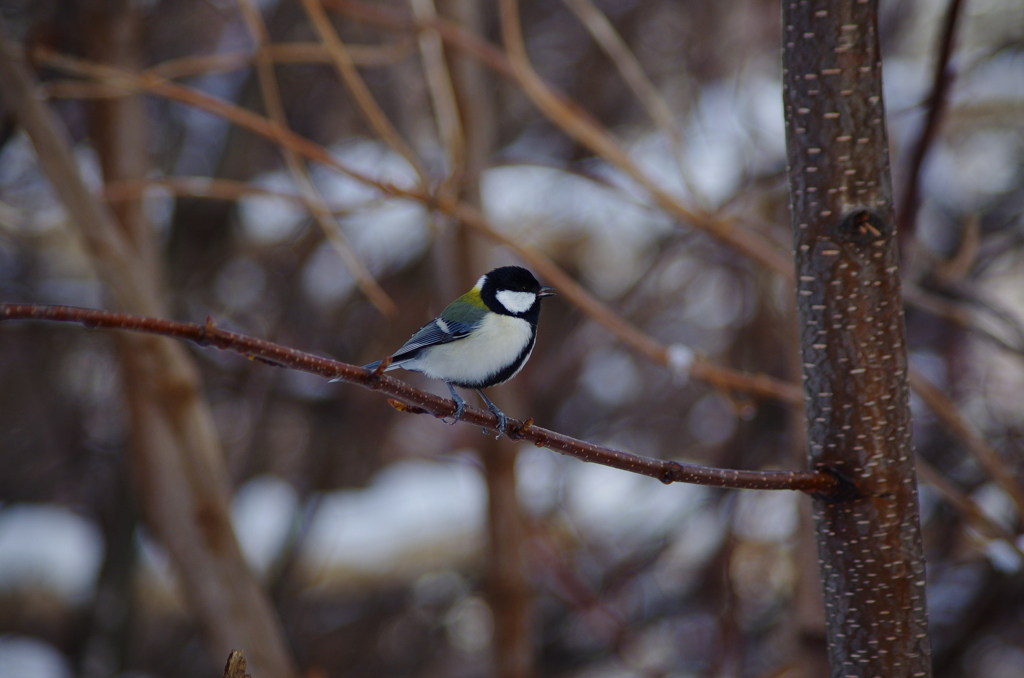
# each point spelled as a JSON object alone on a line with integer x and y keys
{"x": 481, "y": 339}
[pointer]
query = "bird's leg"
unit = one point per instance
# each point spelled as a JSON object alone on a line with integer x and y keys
{"x": 502, "y": 419}
{"x": 460, "y": 404}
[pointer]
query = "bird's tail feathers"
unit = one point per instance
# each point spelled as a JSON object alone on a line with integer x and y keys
{"x": 376, "y": 363}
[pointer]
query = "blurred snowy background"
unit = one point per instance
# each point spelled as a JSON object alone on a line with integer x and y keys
{"x": 369, "y": 527}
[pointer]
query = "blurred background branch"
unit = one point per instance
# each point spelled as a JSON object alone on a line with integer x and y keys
{"x": 390, "y": 545}
{"x": 176, "y": 463}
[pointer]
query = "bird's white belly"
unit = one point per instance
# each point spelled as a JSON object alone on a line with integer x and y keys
{"x": 495, "y": 345}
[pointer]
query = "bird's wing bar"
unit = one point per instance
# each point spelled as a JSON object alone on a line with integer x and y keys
{"x": 433, "y": 333}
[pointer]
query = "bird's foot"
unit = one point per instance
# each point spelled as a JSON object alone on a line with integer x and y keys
{"x": 502, "y": 420}
{"x": 460, "y": 407}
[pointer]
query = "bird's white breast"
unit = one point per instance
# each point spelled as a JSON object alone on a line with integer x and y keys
{"x": 492, "y": 347}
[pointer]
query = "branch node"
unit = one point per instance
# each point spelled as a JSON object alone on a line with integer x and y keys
{"x": 862, "y": 226}
{"x": 384, "y": 364}
{"x": 205, "y": 331}
{"x": 845, "y": 490}
{"x": 373, "y": 381}
{"x": 519, "y": 432}
{"x": 405, "y": 407}
{"x": 668, "y": 476}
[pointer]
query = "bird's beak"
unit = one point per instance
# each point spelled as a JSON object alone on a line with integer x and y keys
{"x": 546, "y": 291}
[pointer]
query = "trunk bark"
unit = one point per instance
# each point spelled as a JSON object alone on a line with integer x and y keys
{"x": 852, "y": 339}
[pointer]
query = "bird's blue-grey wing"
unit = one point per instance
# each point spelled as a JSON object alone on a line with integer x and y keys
{"x": 435, "y": 332}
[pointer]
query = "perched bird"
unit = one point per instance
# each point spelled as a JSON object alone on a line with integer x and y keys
{"x": 481, "y": 339}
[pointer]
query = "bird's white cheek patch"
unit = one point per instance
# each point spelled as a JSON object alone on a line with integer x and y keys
{"x": 516, "y": 302}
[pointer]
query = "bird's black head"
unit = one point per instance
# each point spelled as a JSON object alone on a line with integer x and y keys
{"x": 512, "y": 290}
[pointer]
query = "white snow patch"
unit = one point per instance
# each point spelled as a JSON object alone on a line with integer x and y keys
{"x": 610, "y": 376}
{"x": 48, "y": 546}
{"x": 27, "y": 657}
{"x": 539, "y": 479}
{"x": 385, "y": 233}
{"x": 625, "y": 508}
{"x": 611, "y": 233}
{"x": 765, "y": 515}
{"x": 325, "y": 279}
{"x": 263, "y": 512}
{"x": 270, "y": 219}
{"x": 415, "y": 516}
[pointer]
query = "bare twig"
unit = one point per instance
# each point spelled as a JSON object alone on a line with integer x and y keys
{"x": 591, "y": 135}
{"x": 314, "y": 203}
{"x": 119, "y": 129}
{"x": 453, "y": 34}
{"x": 113, "y": 257}
{"x": 946, "y": 411}
{"x": 243, "y": 118}
{"x": 360, "y": 92}
{"x": 280, "y": 53}
{"x": 968, "y": 508}
{"x": 415, "y": 400}
{"x": 225, "y": 62}
{"x": 604, "y": 33}
{"x": 959, "y": 265}
{"x": 956, "y": 312}
{"x": 906, "y": 217}
{"x": 205, "y": 187}
{"x": 442, "y": 96}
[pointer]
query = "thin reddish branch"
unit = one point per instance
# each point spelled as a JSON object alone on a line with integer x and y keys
{"x": 367, "y": 104}
{"x": 212, "y": 188}
{"x": 414, "y": 400}
{"x": 300, "y": 176}
{"x": 972, "y": 513}
{"x": 452, "y": 33}
{"x": 633, "y": 74}
{"x": 591, "y": 135}
{"x": 225, "y": 62}
{"x": 945, "y": 410}
{"x": 906, "y": 216}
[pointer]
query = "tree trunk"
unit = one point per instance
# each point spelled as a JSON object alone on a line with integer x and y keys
{"x": 852, "y": 339}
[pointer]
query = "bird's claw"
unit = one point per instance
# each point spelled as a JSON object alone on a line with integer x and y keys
{"x": 460, "y": 409}
{"x": 502, "y": 421}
